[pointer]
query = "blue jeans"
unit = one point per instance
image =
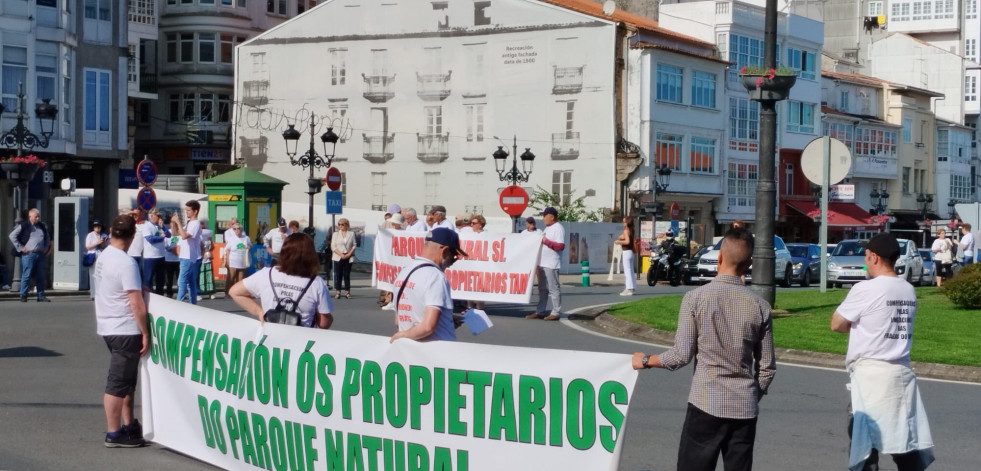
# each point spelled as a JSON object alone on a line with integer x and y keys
{"x": 153, "y": 274}
{"x": 187, "y": 280}
{"x": 32, "y": 263}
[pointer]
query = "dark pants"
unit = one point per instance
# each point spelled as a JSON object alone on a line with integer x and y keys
{"x": 171, "y": 269}
{"x": 704, "y": 436}
{"x": 342, "y": 275}
{"x": 153, "y": 274}
{"x": 909, "y": 461}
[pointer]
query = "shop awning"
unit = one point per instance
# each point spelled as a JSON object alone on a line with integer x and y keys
{"x": 840, "y": 215}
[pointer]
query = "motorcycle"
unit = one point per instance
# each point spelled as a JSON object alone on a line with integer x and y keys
{"x": 667, "y": 262}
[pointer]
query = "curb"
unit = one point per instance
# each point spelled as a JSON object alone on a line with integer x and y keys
{"x": 596, "y": 318}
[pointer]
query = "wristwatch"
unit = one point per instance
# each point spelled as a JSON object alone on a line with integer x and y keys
{"x": 645, "y": 360}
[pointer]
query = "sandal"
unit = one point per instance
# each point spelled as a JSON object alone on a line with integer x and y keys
{"x": 337, "y": 295}
{"x": 347, "y": 295}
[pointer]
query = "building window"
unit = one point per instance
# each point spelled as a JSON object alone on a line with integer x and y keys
{"x": 875, "y": 142}
{"x": 475, "y": 122}
{"x": 474, "y": 182}
{"x": 186, "y": 42}
{"x": 843, "y": 100}
{"x": 906, "y": 172}
{"x": 46, "y": 66}
{"x": 702, "y": 155}
{"x": 668, "y": 150}
{"x": 480, "y": 17}
{"x": 742, "y": 184}
{"x": 224, "y": 108}
{"x": 97, "y": 100}
{"x": 875, "y": 8}
{"x": 276, "y": 7}
{"x": 970, "y": 10}
{"x": 570, "y": 116}
{"x": 66, "y": 88}
{"x": 800, "y": 117}
{"x": 744, "y": 51}
{"x": 431, "y": 181}
{"x": 842, "y": 132}
{"x": 338, "y": 66}
{"x": 971, "y": 88}
{"x": 744, "y": 122}
{"x": 703, "y": 89}
{"x": 960, "y": 187}
{"x": 788, "y": 179}
{"x": 669, "y": 83}
{"x": 562, "y": 185}
{"x": 907, "y": 129}
{"x": 434, "y": 120}
{"x": 227, "y": 47}
{"x": 803, "y": 61}
{"x": 971, "y": 48}
{"x": 13, "y": 74}
{"x": 206, "y": 48}
{"x": 378, "y": 196}
{"x": 98, "y": 10}
{"x": 900, "y": 12}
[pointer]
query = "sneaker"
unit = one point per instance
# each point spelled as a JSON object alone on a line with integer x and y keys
{"x": 551, "y": 317}
{"x": 533, "y": 315}
{"x": 5, "y": 288}
{"x": 43, "y": 300}
{"x": 388, "y": 307}
{"x": 124, "y": 440}
{"x": 134, "y": 429}
{"x": 627, "y": 292}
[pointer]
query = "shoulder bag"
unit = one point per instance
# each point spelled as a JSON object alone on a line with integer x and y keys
{"x": 406, "y": 281}
{"x": 285, "y": 310}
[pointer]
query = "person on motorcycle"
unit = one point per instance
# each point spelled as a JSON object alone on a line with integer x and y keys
{"x": 668, "y": 242}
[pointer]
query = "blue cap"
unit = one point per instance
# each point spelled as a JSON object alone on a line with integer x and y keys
{"x": 447, "y": 237}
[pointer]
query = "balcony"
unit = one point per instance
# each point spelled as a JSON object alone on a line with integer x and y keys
{"x": 568, "y": 80}
{"x": 148, "y": 80}
{"x": 433, "y": 148}
{"x": 565, "y": 145}
{"x": 255, "y": 92}
{"x": 433, "y": 87}
{"x": 379, "y": 149}
{"x": 378, "y": 88}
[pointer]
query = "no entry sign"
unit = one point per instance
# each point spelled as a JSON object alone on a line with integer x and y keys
{"x": 333, "y": 179}
{"x": 514, "y": 200}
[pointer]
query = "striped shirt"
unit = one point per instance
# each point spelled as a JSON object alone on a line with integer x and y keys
{"x": 726, "y": 328}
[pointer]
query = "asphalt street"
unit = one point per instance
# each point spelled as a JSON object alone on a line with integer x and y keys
{"x": 53, "y": 368}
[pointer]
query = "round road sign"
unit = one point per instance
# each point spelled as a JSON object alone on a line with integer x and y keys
{"x": 514, "y": 200}
{"x": 146, "y": 172}
{"x": 333, "y": 179}
{"x": 146, "y": 199}
{"x": 812, "y": 161}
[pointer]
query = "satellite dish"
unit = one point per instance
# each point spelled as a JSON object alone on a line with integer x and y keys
{"x": 609, "y": 7}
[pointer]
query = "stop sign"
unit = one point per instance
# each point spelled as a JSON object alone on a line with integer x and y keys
{"x": 514, "y": 200}
{"x": 333, "y": 179}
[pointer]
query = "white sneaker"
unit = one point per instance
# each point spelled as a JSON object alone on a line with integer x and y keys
{"x": 627, "y": 292}
{"x": 389, "y": 307}
{"x": 5, "y": 288}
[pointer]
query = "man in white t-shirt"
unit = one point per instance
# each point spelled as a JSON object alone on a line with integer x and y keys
{"x": 878, "y": 317}
{"x": 424, "y": 307}
{"x": 438, "y": 213}
{"x": 153, "y": 234}
{"x": 553, "y": 243}
{"x": 121, "y": 320}
{"x": 412, "y": 221}
{"x": 136, "y": 248}
{"x": 189, "y": 247}
{"x": 967, "y": 244}
{"x": 274, "y": 240}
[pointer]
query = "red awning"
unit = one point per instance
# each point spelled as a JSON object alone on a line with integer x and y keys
{"x": 842, "y": 215}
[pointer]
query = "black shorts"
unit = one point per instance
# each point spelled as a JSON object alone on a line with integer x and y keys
{"x": 942, "y": 270}
{"x": 124, "y": 363}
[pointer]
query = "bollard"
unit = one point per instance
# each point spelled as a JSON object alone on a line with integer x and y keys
{"x": 585, "y": 273}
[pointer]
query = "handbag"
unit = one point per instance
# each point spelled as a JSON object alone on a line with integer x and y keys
{"x": 285, "y": 310}
{"x": 89, "y": 259}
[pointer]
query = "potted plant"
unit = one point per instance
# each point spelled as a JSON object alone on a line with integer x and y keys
{"x": 22, "y": 167}
{"x": 767, "y": 84}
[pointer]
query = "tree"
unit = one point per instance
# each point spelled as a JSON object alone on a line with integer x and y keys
{"x": 569, "y": 209}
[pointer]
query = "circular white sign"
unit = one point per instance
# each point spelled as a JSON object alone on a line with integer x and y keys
{"x": 812, "y": 161}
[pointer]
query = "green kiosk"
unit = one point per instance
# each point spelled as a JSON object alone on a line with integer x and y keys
{"x": 254, "y": 198}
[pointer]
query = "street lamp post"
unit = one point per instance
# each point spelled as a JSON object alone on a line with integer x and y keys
{"x": 662, "y": 178}
{"x": 924, "y": 200}
{"x": 22, "y": 138}
{"x": 513, "y": 175}
{"x": 950, "y": 209}
{"x": 311, "y": 160}
{"x": 878, "y": 206}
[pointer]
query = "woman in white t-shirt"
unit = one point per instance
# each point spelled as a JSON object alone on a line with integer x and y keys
{"x": 95, "y": 241}
{"x": 298, "y": 270}
{"x": 943, "y": 256}
{"x": 236, "y": 253}
{"x": 342, "y": 245}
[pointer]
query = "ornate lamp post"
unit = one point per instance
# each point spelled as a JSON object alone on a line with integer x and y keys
{"x": 950, "y": 209}
{"x": 878, "y": 207}
{"x": 513, "y": 176}
{"x": 662, "y": 178}
{"x": 21, "y": 173}
{"x": 924, "y": 200}
{"x": 311, "y": 160}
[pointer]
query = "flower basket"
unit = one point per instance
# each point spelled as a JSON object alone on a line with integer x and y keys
{"x": 769, "y": 87}
{"x": 19, "y": 171}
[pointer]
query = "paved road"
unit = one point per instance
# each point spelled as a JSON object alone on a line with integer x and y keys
{"x": 53, "y": 368}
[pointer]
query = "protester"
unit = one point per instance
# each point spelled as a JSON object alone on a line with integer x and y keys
{"x": 121, "y": 320}
{"x": 206, "y": 273}
{"x": 236, "y": 255}
{"x": 296, "y": 279}
{"x": 425, "y": 308}
{"x": 553, "y": 243}
{"x": 727, "y": 330}
{"x": 394, "y": 209}
{"x": 412, "y": 222}
{"x": 887, "y": 413}
{"x": 342, "y": 246}
{"x": 294, "y": 227}
{"x": 462, "y": 223}
{"x": 626, "y": 242}
{"x": 274, "y": 240}
{"x": 33, "y": 242}
{"x": 942, "y": 249}
{"x": 136, "y": 248}
{"x": 477, "y": 223}
{"x": 154, "y": 234}
{"x": 438, "y": 212}
{"x": 967, "y": 244}
{"x": 530, "y": 227}
{"x": 430, "y": 221}
{"x": 95, "y": 241}
{"x": 230, "y": 232}
{"x": 395, "y": 222}
{"x": 172, "y": 264}
{"x": 189, "y": 247}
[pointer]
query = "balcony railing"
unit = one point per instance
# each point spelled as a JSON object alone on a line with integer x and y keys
{"x": 567, "y": 80}
{"x": 433, "y": 87}
{"x": 255, "y": 92}
{"x": 378, "y": 88}
{"x": 565, "y": 145}
{"x": 148, "y": 81}
{"x": 433, "y": 148}
{"x": 379, "y": 149}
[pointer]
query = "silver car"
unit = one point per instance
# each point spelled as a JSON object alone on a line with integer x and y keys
{"x": 847, "y": 263}
{"x": 783, "y": 264}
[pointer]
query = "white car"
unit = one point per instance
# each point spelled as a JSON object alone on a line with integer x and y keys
{"x": 783, "y": 264}
{"x": 847, "y": 263}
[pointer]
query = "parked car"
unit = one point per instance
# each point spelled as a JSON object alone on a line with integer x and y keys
{"x": 689, "y": 274}
{"x": 927, "y": 256}
{"x": 782, "y": 264}
{"x": 847, "y": 263}
{"x": 807, "y": 263}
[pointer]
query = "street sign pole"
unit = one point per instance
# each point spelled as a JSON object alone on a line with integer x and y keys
{"x": 823, "y": 231}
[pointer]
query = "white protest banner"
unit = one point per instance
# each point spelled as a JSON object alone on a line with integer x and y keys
{"x": 499, "y": 267}
{"x": 218, "y": 388}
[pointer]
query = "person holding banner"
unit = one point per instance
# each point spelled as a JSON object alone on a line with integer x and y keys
{"x": 298, "y": 268}
{"x": 189, "y": 248}
{"x": 553, "y": 243}
{"x": 236, "y": 254}
{"x": 726, "y": 328}
{"x": 121, "y": 320}
{"x": 424, "y": 307}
